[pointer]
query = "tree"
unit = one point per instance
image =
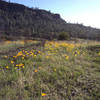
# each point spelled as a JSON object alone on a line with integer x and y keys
{"x": 63, "y": 36}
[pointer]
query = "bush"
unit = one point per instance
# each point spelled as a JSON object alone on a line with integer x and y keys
{"x": 63, "y": 36}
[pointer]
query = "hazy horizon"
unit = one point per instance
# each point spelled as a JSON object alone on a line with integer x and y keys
{"x": 73, "y": 11}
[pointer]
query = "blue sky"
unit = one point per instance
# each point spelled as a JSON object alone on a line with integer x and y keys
{"x": 74, "y": 11}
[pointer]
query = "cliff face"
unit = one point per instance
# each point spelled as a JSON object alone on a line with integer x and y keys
{"x": 16, "y": 19}
{"x": 19, "y": 20}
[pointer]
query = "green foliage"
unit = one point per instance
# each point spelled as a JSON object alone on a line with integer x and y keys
{"x": 63, "y": 36}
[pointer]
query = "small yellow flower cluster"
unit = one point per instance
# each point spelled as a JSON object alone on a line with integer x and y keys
{"x": 55, "y": 47}
{"x": 12, "y": 62}
{"x": 99, "y": 53}
{"x": 35, "y": 70}
{"x": 51, "y": 49}
{"x": 20, "y": 65}
{"x": 7, "y": 67}
{"x": 21, "y": 55}
{"x": 43, "y": 94}
{"x": 25, "y": 53}
{"x": 76, "y": 53}
{"x": 67, "y": 57}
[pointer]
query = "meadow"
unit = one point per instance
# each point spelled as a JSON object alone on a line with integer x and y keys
{"x": 55, "y": 70}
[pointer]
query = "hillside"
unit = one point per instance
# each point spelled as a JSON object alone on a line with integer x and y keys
{"x": 19, "y": 20}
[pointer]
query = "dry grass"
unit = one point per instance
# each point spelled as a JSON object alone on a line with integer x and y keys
{"x": 57, "y": 71}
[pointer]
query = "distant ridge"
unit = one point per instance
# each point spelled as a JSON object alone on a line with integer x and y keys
{"x": 19, "y": 20}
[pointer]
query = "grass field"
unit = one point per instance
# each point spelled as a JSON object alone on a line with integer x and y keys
{"x": 57, "y": 70}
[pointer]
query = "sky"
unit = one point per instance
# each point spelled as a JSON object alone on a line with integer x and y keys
{"x": 86, "y": 12}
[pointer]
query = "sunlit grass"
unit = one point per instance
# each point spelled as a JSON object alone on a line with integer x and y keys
{"x": 8, "y": 45}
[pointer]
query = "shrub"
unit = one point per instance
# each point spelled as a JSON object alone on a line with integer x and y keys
{"x": 63, "y": 36}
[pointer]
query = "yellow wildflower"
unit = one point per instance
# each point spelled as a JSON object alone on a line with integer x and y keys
{"x": 22, "y": 57}
{"x": 47, "y": 57}
{"x": 75, "y": 55}
{"x": 67, "y": 57}
{"x": 55, "y": 69}
{"x": 43, "y": 94}
{"x": 14, "y": 56}
{"x": 34, "y": 55}
{"x": 17, "y": 65}
{"x": 22, "y": 66}
{"x": 12, "y": 62}
{"x": 7, "y": 67}
{"x": 39, "y": 51}
{"x": 99, "y": 53}
{"x": 35, "y": 70}
{"x": 20, "y": 53}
